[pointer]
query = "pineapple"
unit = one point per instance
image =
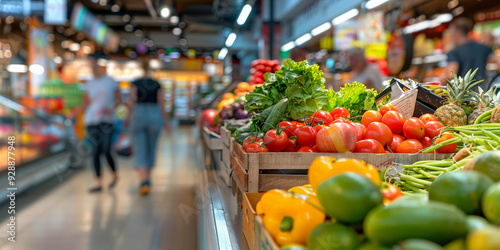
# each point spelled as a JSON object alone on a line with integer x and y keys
{"x": 484, "y": 101}
{"x": 459, "y": 91}
{"x": 495, "y": 116}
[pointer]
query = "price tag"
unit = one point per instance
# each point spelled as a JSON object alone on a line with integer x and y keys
{"x": 376, "y": 51}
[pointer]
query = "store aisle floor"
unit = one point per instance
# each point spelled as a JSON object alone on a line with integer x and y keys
{"x": 68, "y": 217}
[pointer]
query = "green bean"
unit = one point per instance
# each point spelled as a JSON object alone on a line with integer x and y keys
{"x": 444, "y": 143}
{"x": 483, "y": 115}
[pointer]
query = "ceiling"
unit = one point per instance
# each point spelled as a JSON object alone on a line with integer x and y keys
{"x": 207, "y": 21}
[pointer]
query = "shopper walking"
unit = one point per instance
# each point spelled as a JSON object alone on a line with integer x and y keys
{"x": 102, "y": 95}
{"x": 467, "y": 53}
{"x": 147, "y": 116}
{"x": 363, "y": 71}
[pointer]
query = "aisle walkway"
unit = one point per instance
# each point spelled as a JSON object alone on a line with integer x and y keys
{"x": 67, "y": 217}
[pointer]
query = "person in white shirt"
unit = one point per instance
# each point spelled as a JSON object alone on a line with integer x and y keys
{"x": 102, "y": 95}
{"x": 362, "y": 71}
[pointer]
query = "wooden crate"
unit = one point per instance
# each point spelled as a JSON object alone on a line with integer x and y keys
{"x": 225, "y": 173}
{"x": 253, "y": 229}
{"x": 225, "y": 135}
{"x": 265, "y": 171}
{"x": 211, "y": 139}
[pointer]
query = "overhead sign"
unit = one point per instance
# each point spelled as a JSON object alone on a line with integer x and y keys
{"x": 50, "y": 11}
{"x": 83, "y": 20}
{"x": 55, "y": 12}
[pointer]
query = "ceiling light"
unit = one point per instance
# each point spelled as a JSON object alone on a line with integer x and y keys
{"x": 126, "y": 18}
{"x": 115, "y": 8}
{"x": 123, "y": 43}
{"x": 182, "y": 25}
{"x": 103, "y": 2}
{"x": 58, "y": 60}
{"x": 150, "y": 43}
{"x": 288, "y": 46}
{"x": 65, "y": 44}
{"x": 222, "y": 53}
{"x": 165, "y": 12}
{"x": 320, "y": 29}
{"x": 17, "y": 68}
{"x": 452, "y": 4}
{"x": 129, "y": 27}
{"x": 230, "y": 39}
{"x": 174, "y": 20}
{"x": 183, "y": 41}
{"x": 74, "y": 47}
{"x": 95, "y": 1}
{"x": 51, "y": 37}
{"x": 242, "y": 18}
{"x": 303, "y": 39}
{"x": 138, "y": 33}
{"x": 36, "y": 69}
{"x": 177, "y": 31}
{"x": 8, "y": 53}
{"x": 346, "y": 16}
{"x": 87, "y": 49}
{"x": 459, "y": 10}
{"x": 428, "y": 24}
{"x": 374, "y": 3}
{"x": 102, "y": 62}
{"x": 444, "y": 18}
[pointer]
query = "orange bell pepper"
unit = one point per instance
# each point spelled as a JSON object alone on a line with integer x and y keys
{"x": 325, "y": 167}
{"x": 288, "y": 219}
{"x": 390, "y": 192}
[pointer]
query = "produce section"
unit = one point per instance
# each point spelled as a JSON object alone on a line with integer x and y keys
{"x": 319, "y": 169}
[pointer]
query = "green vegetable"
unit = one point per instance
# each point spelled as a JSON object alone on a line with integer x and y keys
{"x": 302, "y": 84}
{"x": 332, "y": 236}
{"x": 354, "y": 97}
{"x": 276, "y": 115}
{"x": 435, "y": 221}
{"x": 418, "y": 244}
{"x": 348, "y": 197}
{"x": 463, "y": 190}
{"x": 491, "y": 203}
{"x": 475, "y": 222}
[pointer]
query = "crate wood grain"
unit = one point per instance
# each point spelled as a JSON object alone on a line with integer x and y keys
{"x": 225, "y": 135}
{"x": 225, "y": 173}
{"x": 265, "y": 171}
{"x": 253, "y": 228}
{"x": 211, "y": 139}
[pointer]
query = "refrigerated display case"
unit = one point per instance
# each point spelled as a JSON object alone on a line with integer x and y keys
{"x": 36, "y": 135}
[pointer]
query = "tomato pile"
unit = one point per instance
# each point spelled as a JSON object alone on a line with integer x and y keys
{"x": 260, "y": 67}
{"x": 383, "y": 131}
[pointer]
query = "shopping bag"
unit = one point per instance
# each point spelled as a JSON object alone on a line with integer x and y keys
{"x": 123, "y": 145}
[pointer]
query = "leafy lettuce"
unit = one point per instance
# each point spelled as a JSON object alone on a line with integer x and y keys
{"x": 302, "y": 84}
{"x": 354, "y": 97}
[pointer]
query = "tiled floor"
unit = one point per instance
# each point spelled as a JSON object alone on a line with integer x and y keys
{"x": 67, "y": 217}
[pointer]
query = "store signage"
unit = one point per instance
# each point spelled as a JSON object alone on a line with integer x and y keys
{"x": 487, "y": 16}
{"x": 83, "y": 20}
{"x": 55, "y": 12}
{"x": 376, "y": 51}
{"x": 346, "y": 34}
{"x": 24, "y": 8}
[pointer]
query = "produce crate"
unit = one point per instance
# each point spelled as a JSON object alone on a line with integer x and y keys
{"x": 212, "y": 140}
{"x": 265, "y": 171}
{"x": 253, "y": 229}
{"x": 225, "y": 169}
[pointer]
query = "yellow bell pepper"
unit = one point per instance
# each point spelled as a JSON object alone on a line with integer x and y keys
{"x": 288, "y": 219}
{"x": 307, "y": 191}
{"x": 325, "y": 167}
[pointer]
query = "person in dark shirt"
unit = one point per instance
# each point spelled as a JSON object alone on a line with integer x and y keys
{"x": 147, "y": 110}
{"x": 467, "y": 53}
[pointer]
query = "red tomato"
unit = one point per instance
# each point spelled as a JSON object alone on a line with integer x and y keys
{"x": 260, "y": 68}
{"x": 297, "y": 124}
{"x": 425, "y": 118}
{"x": 451, "y": 148}
{"x": 261, "y": 62}
{"x": 258, "y": 80}
{"x": 319, "y": 127}
{"x": 389, "y": 107}
{"x": 380, "y": 132}
{"x": 289, "y": 130}
{"x": 268, "y": 69}
{"x": 396, "y": 140}
{"x": 371, "y": 116}
{"x": 259, "y": 74}
{"x": 256, "y": 148}
{"x": 292, "y": 146}
{"x": 433, "y": 128}
{"x": 254, "y": 63}
{"x": 320, "y": 117}
{"x": 360, "y": 130}
{"x": 341, "y": 120}
{"x": 387, "y": 151}
{"x": 275, "y": 63}
{"x": 251, "y": 139}
{"x": 306, "y": 136}
{"x": 394, "y": 120}
{"x": 307, "y": 149}
{"x": 410, "y": 146}
{"x": 369, "y": 146}
{"x": 339, "y": 112}
{"x": 252, "y": 71}
{"x": 414, "y": 129}
{"x": 426, "y": 142}
{"x": 276, "y": 68}
{"x": 275, "y": 142}
{"x": 315, "y": 148}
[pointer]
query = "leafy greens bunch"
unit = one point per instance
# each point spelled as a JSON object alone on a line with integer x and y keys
{"x": 354, "y": 97}
{"x": 303, "y": 85}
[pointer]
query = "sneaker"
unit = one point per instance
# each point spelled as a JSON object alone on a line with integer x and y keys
{"x": 95, "y": 189}
{"x": 145, "y": 187}
{"x": 113, "y": 183}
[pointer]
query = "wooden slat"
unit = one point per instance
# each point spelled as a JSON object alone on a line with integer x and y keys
{"x": 240, "y": 173}
{"x": 241, "y": 155}
{"x": 253, "y": 173}
{"x": 265, "y": 239}
{"x": 225, "y": 173}
{"x": 250, "y": 201}
{"x": 225, "y": 136}
{"x": 212, "y": 140}
{"x": 280, "y": 181}
{"x": 226, "y": 155}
